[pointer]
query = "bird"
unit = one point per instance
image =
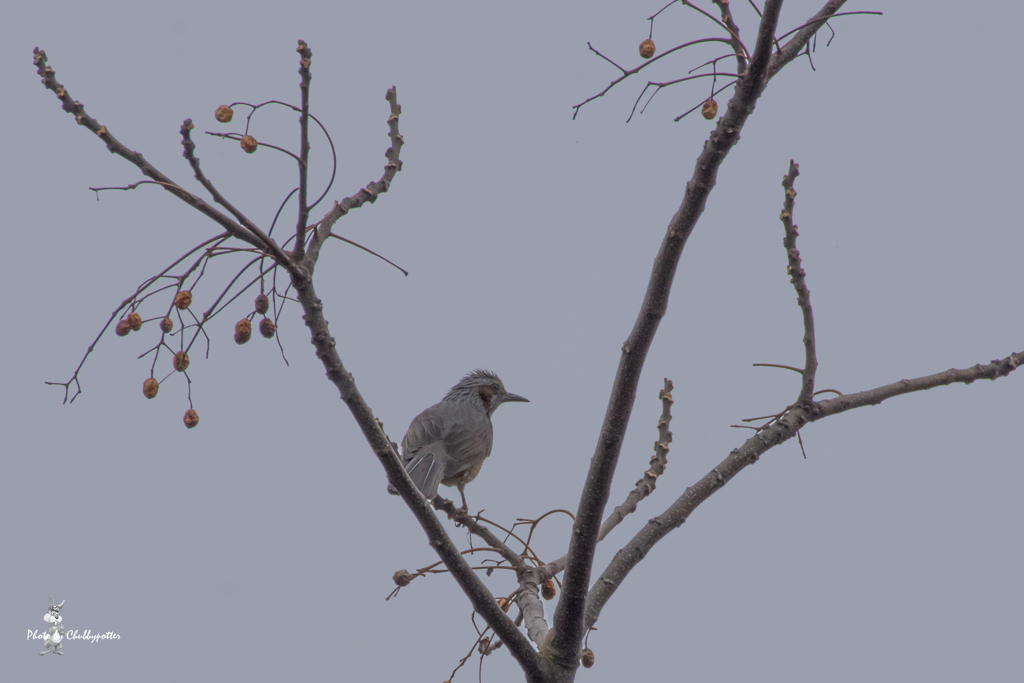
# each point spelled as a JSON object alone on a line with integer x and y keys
{"x": 448, "y": 442}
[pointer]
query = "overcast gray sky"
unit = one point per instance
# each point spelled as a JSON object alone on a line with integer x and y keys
{"x": 260, "y": 545}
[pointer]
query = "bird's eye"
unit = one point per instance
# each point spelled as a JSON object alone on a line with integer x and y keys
{"x": 494, "y": 386}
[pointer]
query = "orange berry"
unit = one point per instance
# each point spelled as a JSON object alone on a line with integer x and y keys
{"x": 180, "y": 361}
{"x": 223, "y": 113}
{"x": 710, "y": 109}
{"x": 267, "y": 328}
{"x": 183, "y": 299}
{"x": 243, "y": 331}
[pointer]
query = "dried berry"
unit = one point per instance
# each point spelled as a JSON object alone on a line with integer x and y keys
{"x": 647, "y": 49}
{"x": 183, "y": 299}
{"x": 243, "y": 331}
{"x": 122, "y": 328}
{"x": 224, "y": 113}
{"x": 267, "y": 328}
{"x": 134, "y": 321}
{"x": 166, "y": 324}
{"x": 150, "y": 387}
{"x": 191, "y": 418}
{"x": 401, "y": 578}
{"x": 710, "y": 109}
{"x": 249, "y": 144}
{"x": 547, "y": 589}
{"x": 181, "y": 361}
{"x": 587, "y": 658}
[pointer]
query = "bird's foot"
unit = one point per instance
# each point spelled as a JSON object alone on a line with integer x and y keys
{"x": 459, "y": 515}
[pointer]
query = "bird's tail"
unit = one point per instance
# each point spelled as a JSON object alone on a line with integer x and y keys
{"x": 426, "y": 472}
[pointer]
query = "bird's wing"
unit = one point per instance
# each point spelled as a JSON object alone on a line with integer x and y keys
{"x": 467, "y": 444}
{"x": 423, "y": 452}
{"x": 441, "y": 442}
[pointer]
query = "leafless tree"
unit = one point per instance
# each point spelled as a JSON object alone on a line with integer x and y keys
{"x": 546, "y": 651}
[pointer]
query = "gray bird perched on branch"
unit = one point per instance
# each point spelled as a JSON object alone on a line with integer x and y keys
{"x": 448, "y": 442}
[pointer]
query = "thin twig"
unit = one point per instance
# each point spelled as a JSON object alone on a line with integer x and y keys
{"x": 817, "y": 20}
{"x": 659, "y": 461}
{"x": 190, "y": 147}
{"x": 734, "y": 36}
{"x": 627, "y": 73}
{"x": 734, "y": 32}
{"x": 776, "y": 365}
{"x": 306, "y": 55}
{"x": 666, "y": 84}
{"x": 372, "y": 190}
{"x": 370, "y": 251}
{"x": 693, "y": 109}
{"x": 798, "y": 278}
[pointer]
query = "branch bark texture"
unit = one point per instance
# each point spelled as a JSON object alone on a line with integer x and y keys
{"x": 798, "y": 278}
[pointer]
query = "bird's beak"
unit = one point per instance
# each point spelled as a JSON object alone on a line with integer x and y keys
{"x": 516, "y": 398}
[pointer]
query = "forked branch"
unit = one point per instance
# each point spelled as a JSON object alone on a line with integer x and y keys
{"x": 250, "y": 235}
{"x": 783, "y": 429}
{"x": 569, "y": 625}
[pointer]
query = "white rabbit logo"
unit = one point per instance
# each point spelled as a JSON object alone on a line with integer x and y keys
{"x": 56, "y": 634}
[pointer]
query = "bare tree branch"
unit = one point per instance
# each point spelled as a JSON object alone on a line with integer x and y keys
{"x": 530, "y": 604}
{"x": 580, "y": 604}
{"x": 368, "y": 193}
{"x": 474, "y": 527}
{"x": 659, "y": 461}
{"x": 480, "y": 597}
{"x": 564, "y": 645}
{"x": 190, "y": 148}
{"x": 798, "y": 278}
{"x": 300, "y": 269}
{"x": 781, "y": 431}
{"x": 792, "y": 49}
{"x": 644, "y": 487}
{"x": 253, "y": 236}
{"x": 734, "y": 34}
{"x": 826, "y": 19}
{"x": 626, "y": 73}
{"x": 300, "y": 225}
{"x": 134, "y": 298}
